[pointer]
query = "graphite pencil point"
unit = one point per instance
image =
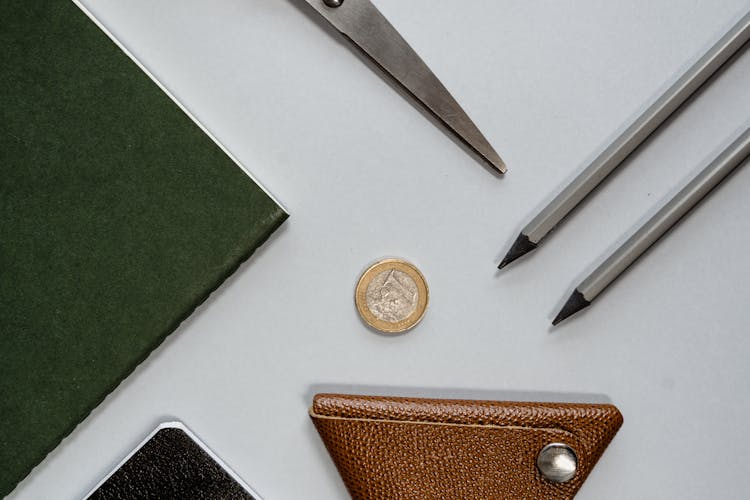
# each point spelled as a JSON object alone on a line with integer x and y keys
{"x": 520, "y": 247}
{"x": 575, "y": 303}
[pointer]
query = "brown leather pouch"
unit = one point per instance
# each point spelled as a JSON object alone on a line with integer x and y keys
{"x": 401, "y": 448}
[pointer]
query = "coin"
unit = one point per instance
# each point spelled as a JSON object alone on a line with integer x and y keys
{"x": 392, "y": 296}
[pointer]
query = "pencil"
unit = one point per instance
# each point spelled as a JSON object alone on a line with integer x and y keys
{"x": 668, "y": 216}
{"x": 532, "y": 235}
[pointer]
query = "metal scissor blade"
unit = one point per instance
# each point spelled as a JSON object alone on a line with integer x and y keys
{"x": 365, "y": 26}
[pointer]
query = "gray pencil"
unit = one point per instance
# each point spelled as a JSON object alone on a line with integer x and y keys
{"x": 629, "y": 141}
{"x": 657, "y": 226}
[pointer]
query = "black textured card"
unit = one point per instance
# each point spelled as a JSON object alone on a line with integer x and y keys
{"x": 171, "y": 465}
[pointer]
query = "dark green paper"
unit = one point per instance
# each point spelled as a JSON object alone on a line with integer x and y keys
{"x": 118, "y": 216}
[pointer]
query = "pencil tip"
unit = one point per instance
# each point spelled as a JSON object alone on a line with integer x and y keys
{"x": 575, "y": 303}
{"x": 520, "y": 247}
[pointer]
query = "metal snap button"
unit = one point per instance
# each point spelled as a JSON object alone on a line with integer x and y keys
{"x": 557, "y": 462}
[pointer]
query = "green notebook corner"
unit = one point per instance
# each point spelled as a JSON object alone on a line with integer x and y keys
{"x": 118, "y": 216}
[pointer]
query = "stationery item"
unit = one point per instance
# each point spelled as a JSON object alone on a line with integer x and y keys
{"x": 120, "y": 215}
{"x": 172, "y": 463}
{"x": 388, "y": 447}
{"x": 656, "y": 227}
{"x": 392, "y": 296}
{"x": 369, "y": 31}
{"x": 612, "y": 157}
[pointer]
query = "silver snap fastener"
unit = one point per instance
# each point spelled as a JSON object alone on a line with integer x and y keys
{"x": 333, "y": 3}
{"x": 557, "y": 462}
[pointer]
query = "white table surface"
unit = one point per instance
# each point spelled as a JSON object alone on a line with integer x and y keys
{"x": 365, "y": 175}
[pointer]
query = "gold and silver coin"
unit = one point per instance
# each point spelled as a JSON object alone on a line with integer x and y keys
{"x": 392, "y": 296}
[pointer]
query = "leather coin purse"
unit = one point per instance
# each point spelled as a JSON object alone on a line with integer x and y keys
{"x": 403, "y": 448}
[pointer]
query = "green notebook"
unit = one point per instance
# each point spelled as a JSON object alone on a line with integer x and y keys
{"x": 118, "y": 216}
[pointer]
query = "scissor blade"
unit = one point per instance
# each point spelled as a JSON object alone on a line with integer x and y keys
{"x": 362, "y": 23}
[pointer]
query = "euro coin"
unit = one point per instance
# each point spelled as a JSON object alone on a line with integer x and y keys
{"x": 392, "y": 296}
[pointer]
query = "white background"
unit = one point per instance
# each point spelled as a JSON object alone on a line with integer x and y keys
{"x": 365, "y": 175}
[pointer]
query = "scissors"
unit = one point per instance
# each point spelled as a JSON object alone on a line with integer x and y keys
{"x": 368, "y": 30}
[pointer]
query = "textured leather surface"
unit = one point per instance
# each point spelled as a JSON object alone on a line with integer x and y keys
{"x": 170, "y": 465}
{"x": 399, "y": 448}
